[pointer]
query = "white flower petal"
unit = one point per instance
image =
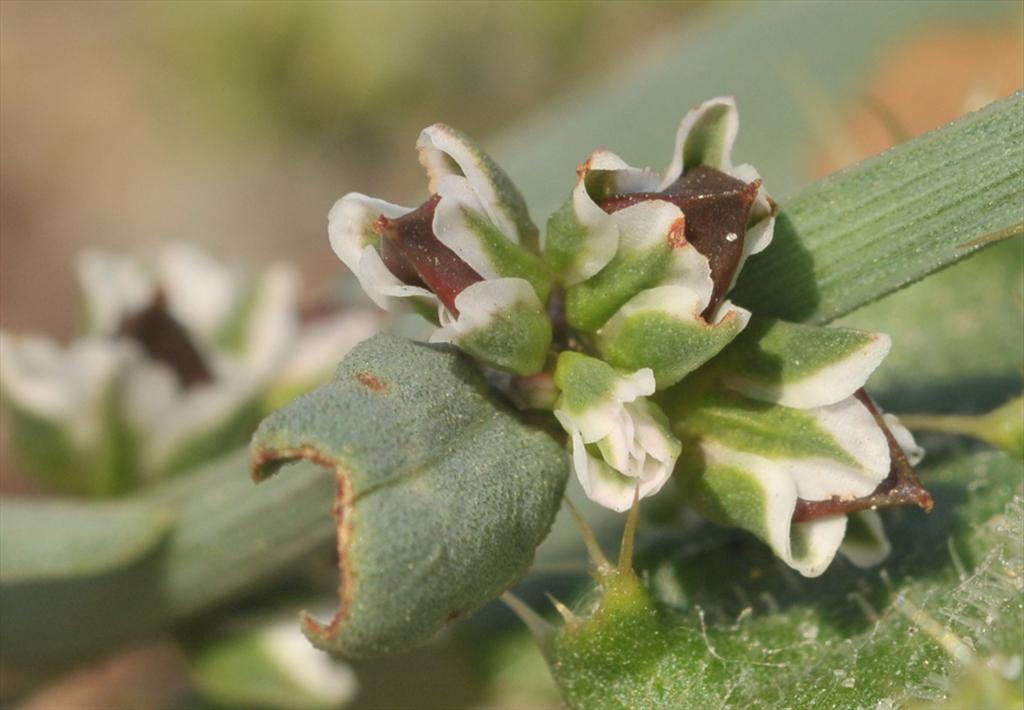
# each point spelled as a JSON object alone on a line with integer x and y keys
{"x": 815, "y": 543}
{"x": 911, "y": 449}
{"x": 309, "y": 668}
{"x": 854, "y": 428}
{"x": 149, "y": 391}
{"x": 440, "y": 146}
{"x": 350, "y": 224}
{"x": 777, "y": 487}
{"x": 637, "y": 384}
{"x": 616, "y": 175}
{"x": 66, "y": 387}
{"x": 865, "y": 543}
{"x": 637, "y": 449}
{"x": 452, "y": 230}
{"x": 829, "y": 385}
{"x": 601, "y": 241}
{"x": 594, "y": 424}
{"x": 806, "y": 547}
{"x": 350, "y": 227}
{"x": 694, "y": 121}
{"x": 201, "y": 293}
{"x": 199, "y": 411}
{"x": 599, "y": 481}
{"x": 760, "y": 223}
{"x": 273, "y": 322}
{"x": 113, "y": 288}
{"x": 381, "y": 285}
{"x": 480, "y": 303}
{"x": 323, "y": 343}
{"x": 648, "y": 224}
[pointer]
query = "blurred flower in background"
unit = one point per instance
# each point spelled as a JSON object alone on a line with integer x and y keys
{"x": 176, "y": 363}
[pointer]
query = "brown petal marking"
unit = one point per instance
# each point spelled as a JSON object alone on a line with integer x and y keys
{"x": 900, "y": 487}
{"x": 715, "y": 205}
{"x": 414, "y": 254}
{"x": 166, "y": 341}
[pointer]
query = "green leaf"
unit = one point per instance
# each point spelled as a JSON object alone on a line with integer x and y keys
{"x": 443, "y": 495}
{"x": 720, "y": 620}
{"x": 890, "y": 220}
{"x": 761, "y": 53}
{"x": 35, "y": 545}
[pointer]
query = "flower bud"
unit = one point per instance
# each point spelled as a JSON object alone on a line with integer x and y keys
{"x": 648, "y": 260}
{"x": 786, "y": 445}
{"x": 621, "y": 443}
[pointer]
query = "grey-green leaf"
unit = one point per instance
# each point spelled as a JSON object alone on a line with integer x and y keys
{"x": 892, "y": 219}
{"x": 35, "y": 546}
{"x": 443, "y": 494}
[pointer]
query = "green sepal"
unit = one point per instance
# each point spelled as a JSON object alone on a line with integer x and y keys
{"x": 798, "y": 364}
{"x": 750, "y": 426}
{"x": 589, "y": 305}
{"x": 565, "y": 239}
{"x": 518, "y": 340}
{"x": 646, "y": 332}
{"x": 508, "y": 258}
{"x": 711, "y": 135}
{"x": 584, "y": 381}
{"x": 107, "y": 466}
{"x": 443, "y": 494}
{"x": 728, "y": 495}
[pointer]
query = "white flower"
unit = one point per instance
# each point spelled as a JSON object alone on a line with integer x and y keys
{"x": 467, "y": 254}
{"x": 175, "y": 365}
{"x": 789, "y": 442}
{"x": 329, "y": 680}
{"x": 621, "y": 444}
{"x": 648, "y": 259}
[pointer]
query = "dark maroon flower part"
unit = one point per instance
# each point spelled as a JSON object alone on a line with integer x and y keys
{"x": 900, "y": 487}
{"x": 164, "y": 340}
{"x": 716, "y": 207}
{"x": 414, "y": 254}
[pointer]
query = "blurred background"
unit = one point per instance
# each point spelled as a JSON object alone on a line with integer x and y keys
{"x": 236, "y": 125}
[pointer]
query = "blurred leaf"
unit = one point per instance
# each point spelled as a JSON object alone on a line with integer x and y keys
{"x": 443, "y": 494}
{"x": 227, "y": 539}
{"x": 230, "y": 538}
{"x": 722, "y": 622}
{"x": 764, "y": 54}
{"x": 1003, "y": 427}
{"x": 892, "y": 219}
{"x": 35, "y": 545}
{"x": 957, "y": 337}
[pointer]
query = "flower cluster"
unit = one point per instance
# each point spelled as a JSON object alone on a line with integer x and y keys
{"x": 177, "y": 361}
{"x": 619, "y": 321}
